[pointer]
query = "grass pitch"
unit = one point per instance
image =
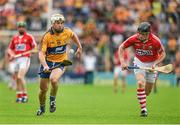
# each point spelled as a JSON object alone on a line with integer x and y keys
{"x": 91, "y": 104}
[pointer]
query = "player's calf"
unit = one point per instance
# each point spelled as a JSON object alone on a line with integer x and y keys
{"x": 147, "y": 92}
{"x": 148, "y": 88}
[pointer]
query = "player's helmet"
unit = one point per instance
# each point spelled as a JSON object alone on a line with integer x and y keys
{"x": 144, "y": 27}
{"x": 57, "y": 17}
{"x": 21, "y": 24}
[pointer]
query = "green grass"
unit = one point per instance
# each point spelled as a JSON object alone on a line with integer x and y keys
{"x": 91, "y": 104}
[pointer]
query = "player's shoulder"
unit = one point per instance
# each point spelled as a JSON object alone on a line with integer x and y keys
{"x": 133, "y": 37}
{"x": 155, "y": 38}
{"x": 29, "y": 35}
{"x": 67, "y": 29}
{"x": 14, "y": 38}
{"x": 48, "y": 33}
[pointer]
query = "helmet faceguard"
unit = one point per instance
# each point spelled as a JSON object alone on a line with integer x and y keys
{"x": 21, "y": 24}
{"x": 57, "y": 17}
{"x": 21, "y": 27}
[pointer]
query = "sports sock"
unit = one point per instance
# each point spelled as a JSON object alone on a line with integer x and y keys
{"x": 52, "y": 98}
{"x": 141, "y": 95}
{"x": 19, "y": 94}
{"x": 42, "y": 108}
{"x": 25, "y": 95}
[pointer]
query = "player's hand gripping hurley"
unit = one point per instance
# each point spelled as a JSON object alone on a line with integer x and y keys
{"x": 64, "y": 63}
{"x": 24, "y": 53}
{"x": 163, "y": 69}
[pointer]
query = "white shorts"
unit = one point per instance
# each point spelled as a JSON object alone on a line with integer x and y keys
{"x": 21, "y": 63}
{"x": 118, "y": 71}
{"x": 149, "y": 77}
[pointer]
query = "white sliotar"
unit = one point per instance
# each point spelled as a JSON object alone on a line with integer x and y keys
{"x": 71, "y": 51}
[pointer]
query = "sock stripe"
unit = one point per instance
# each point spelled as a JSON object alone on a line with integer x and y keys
{"x": 142, "y": 102}
{"x": 142, "y": 98}
{"x": 140, "y": 90}
{"x": 141, "y": 94}
{"x": 19, "y": 94}
{"x": 143, "y": 107}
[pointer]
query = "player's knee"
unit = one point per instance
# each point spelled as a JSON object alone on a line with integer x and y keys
{"x": 43, "y": 90}
{"x": 54, "y": 80}
{"x": 19, "y": 77}
{"x": 141, "y": 84}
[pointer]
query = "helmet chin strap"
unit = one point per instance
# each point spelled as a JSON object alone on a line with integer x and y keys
{"x": 143, "y": 40}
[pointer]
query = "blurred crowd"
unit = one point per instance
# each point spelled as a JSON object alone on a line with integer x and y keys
{"x": 31, "y": 11}
{"x": 102, "y": 25}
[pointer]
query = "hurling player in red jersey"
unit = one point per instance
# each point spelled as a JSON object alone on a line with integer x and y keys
{"x": 118, "y": 71}
{"x": 22, "y": 42}
{"x": 149, "y": 52}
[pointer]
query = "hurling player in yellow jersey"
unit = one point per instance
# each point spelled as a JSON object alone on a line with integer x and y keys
{"x": 52, "y": 52}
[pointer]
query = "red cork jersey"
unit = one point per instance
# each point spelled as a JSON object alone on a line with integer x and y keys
{"x": 145, "y": 52}
{"x": 21, "y": 44}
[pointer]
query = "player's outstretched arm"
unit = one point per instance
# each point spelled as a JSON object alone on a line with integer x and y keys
{"x": 42, "y": 59}
{"x": 162, "y": 56}
{"x": 121, "y": 57}
{"x": 76, "y": 40}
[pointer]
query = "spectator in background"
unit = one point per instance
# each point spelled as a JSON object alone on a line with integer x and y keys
{"x": 11, "y": 10}
{"x": 177, "y": 68}
{"x": 118, "y": 71}
{"x": 91, "y": 18}
{"x": 89, "y": 60}
{"x": 79, "y": 68}
{"x": 172, "y": 47}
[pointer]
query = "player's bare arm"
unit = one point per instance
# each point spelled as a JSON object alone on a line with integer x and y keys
{"x": 76, "y": 40}
{"x": 42, "y": 58}
{"x": 34, "y": 49}
{"x": 115, "y": 60}
{"x": 162, "y": 56}
{"x": 11, "y": 54}
{"x": 121, "y": 57}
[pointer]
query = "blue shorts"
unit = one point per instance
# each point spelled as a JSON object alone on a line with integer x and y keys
{"x": 50, "y": 64}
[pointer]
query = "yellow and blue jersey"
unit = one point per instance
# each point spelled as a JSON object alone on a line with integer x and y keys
{"x": 55, "y": 45}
